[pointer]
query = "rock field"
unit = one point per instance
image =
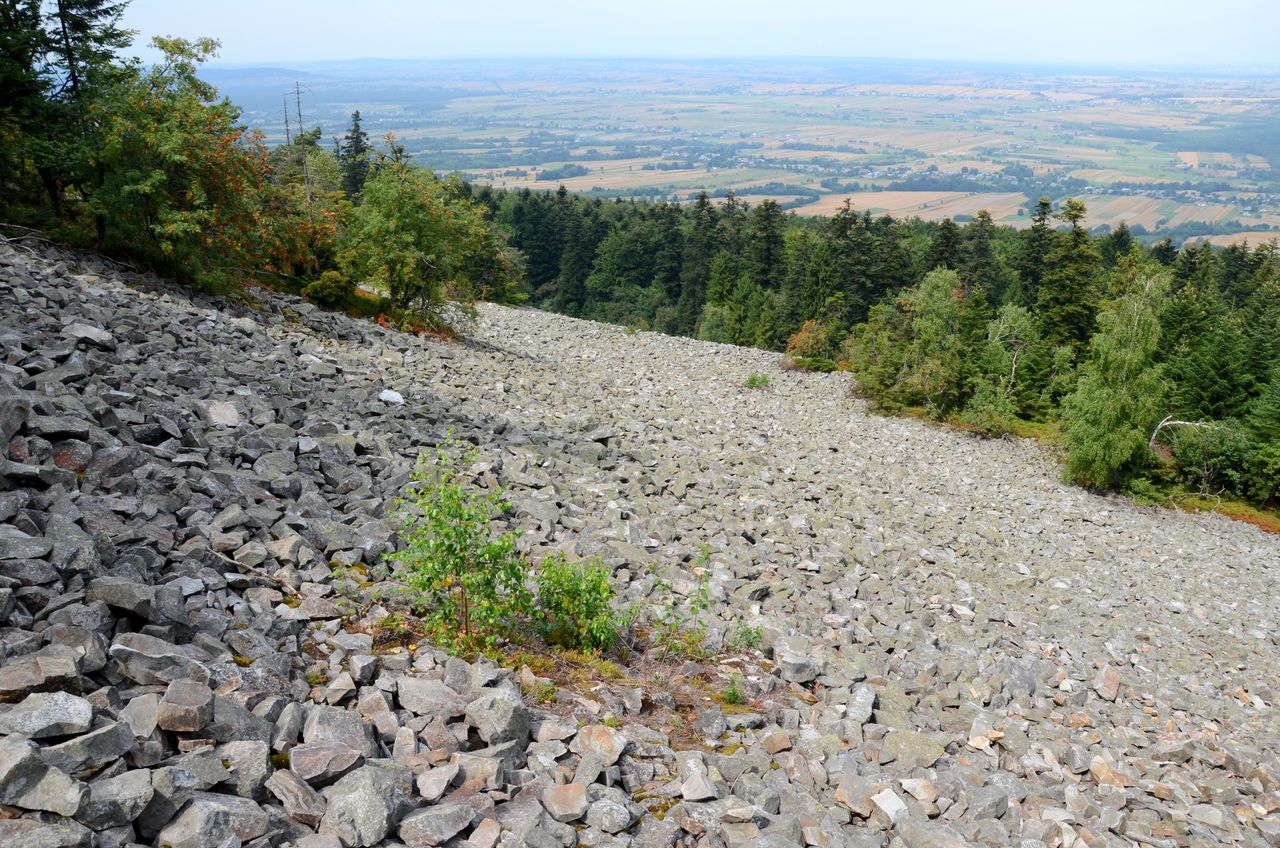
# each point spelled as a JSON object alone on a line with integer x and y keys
{"x": 938, "y": 642}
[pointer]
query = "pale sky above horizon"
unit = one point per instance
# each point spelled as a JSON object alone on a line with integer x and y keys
{"x": 1147, "y": 32}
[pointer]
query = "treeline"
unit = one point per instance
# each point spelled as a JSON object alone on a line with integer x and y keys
{"x": 148, "y": 163}
{"x": 981, "y": 324}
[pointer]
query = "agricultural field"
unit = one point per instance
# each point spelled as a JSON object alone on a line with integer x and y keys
{"x": 1187, "y": 154}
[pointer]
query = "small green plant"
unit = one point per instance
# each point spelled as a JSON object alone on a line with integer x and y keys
{"x": 757, "y": 381}
{"x": 574, "y": 598}
{"x": 732, "y": 692}
{"x": 332, "y": 289}
{"x": 745, "y": 638}
{"x": 679, "y": 629}
{"x": 467, "y": 579}
{"x": 317, "y": 677}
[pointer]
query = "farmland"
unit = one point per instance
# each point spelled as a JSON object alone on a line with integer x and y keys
{"x": 1187, "y": 154}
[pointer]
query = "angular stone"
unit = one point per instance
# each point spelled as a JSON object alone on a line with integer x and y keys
{"x": 565, "y": 803}
{"x": 796, "y": 659}
{"x": 322, "y": 764}
{"x": 333, "y": 724}
{"x": 249, "y": 762}
{"x": 40, "y": 672}
{"x": 199, "y": 825}
{"x": 122, "y": 595}
{"x": 299, "y": 800}
{"x": 499, "y": 716}
{"x": 187, "y": 707}
{"x": 29, "y": 833}
{"x": 91, "y": 750}
{"x": 147, "y": 660}
{"x": 117, "y": 801}
{"x": 27, "y": 781}
{"x": 600, "y": 739}
{"x": 248, "y": 820}
{"x": 429, "y": 697}
{"x": 218, "y": 413}
{"x": 910, "y": 750}
{"x": 44, "y": 714}
{"x": 366, "y": 805}
{"x": 436, "y": 825}
{"x": 609, "y": 816}
{"x": 1107, "y": 683}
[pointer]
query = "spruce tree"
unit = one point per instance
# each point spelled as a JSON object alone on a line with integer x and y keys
{"x": 945, "y": 250}
{"x": 1068, "y": 293}
{"x": 354, "y": 155}
{"x": 1037, "y": 243}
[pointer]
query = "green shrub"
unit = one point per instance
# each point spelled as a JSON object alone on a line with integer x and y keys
{"x": 331, "y": 289}
{"x": 746, "y": 638}
{"x": 574, "y": 600}
{"x": 1210, "y": 458}
{"x": 757, "y": 381}
{"x": 468, "y": 581}
{"x": 680, "y": 630}
{"x": 733, "y": 693}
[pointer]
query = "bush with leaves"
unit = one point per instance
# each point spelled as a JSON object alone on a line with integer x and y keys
{"x": 467, "y": 580}
{"x": 1211, "y": 458}
{"x": 432, "y": 251}
{"x": 574, "y": 604}
{"x": 332, "y": 289}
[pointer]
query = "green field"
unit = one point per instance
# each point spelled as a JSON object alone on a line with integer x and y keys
{"x": 1185, "y": 154}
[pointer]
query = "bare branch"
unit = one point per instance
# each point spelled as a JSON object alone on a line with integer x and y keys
{"x": 1170, "y": 422}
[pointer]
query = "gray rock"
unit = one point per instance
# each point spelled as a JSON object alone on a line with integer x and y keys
{"x": 609, "y": 815}
{"x": 218, "y": 413}
{"x": 148, "y": 660}
{"x": 27, "y": 781}
{"x": 117, "y": 801}
{"x": 45, "y": 714}
{"x": 91, "y": 750}
{"x": 499, "y": 716}
{"x": 299, "y": 800}
{"x": 324, "y": 763}
{"x": 248, "y": 820}
{"x": 200, "y": 825}
{"x": 432, "y": 826}
{"x": 367, "y": 804}
{"x": 429, "y": 697}
{"x": 796, "y": 659}
{"x": 600, "y": 739}
{"x": 333, "y": 724}
{"x": 29, "y": 833}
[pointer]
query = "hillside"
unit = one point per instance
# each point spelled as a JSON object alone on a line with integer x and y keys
{"x": 954, "y": 648}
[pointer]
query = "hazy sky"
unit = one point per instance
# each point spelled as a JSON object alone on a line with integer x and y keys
{"x": 1087, "y": 31}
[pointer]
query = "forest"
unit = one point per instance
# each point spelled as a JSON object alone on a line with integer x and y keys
{"x": 1158, "y": 368}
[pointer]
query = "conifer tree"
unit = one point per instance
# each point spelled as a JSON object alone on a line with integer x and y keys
{"x": 1068, "y": 294}
{"x": 945, "y": 250}
{"x": 1037, "y": 243}
{"x": 354, "y": 155}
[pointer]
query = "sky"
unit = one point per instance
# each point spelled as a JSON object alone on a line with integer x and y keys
{"x": 1139, "y": 32}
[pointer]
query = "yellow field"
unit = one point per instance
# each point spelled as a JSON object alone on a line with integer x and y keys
{"x": 1251, "y": 239}
{"x": 930, "y": 205}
